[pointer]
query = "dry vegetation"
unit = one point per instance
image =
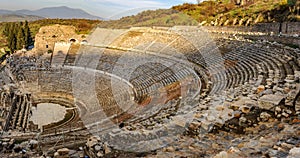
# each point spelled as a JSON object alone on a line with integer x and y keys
{"x": 82, "y": 26}
{"x": 209, "y": 11}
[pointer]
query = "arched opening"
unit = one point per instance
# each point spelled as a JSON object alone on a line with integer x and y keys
{"x": 72, "y": 40}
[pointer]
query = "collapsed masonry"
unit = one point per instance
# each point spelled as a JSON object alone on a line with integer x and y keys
{"x": 15, "y": 111}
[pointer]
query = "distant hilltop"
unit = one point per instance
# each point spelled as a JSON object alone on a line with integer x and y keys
{"x": 62, "y": 12}
{"x": 16, "y": 17}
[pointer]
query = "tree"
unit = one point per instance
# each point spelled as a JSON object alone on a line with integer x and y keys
{"x": 18, "y": 35}
{"x": 20, "y": 38}
{"x": 28, "y": 39}
{"x": 11, "y": 37}
{"x": 6, "y": 29}
{"x": 12, "y": 43}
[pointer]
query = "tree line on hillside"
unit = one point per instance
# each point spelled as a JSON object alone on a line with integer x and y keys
{"x": 18, "y": 35}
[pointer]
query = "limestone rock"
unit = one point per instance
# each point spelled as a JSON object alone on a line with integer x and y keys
{"x": 222, "y": 154}
{"x": 292, "y": 96}
{"x": 297, "y": 74}
{"x": 234, "y": 22}
{"x": 245, "y": 109}
{"x": 170, "y": 149}
{"x": 294, "y": 153}
{"x": 97, "y": 148}
{"x": 258, "y": 18}
{"x": 99, "y": 154}
{"x": 241, "y": 22}
{"x": 248, "y": 22}
{"x": 194, "y": 125}
{"x": 63, "y": 151}
{"x": 92, "y": 141}
{"x": 267, "y": 102}
{"x": 180, "y": 121}
{"x": 226, "y": 22}
{"x": 260, "y": 89}
{"x": 106, "y": 149}
{"x": 56, "y": 155}
{"x": 265, "y": 116}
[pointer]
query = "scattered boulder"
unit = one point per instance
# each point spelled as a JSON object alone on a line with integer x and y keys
{"x": 97, "y": 147}
{"x": 291, "y": 96}
{"x": 264, "y": 116}
{"x": 63, "y": 151}
{"x": 106, "y": 149}
{"x": 92, "y": 141}
{"x": 294, "y": 153}
{"x": 268, "y": 102}
{"x": 33, "y": 144}
{"x": 260, "y": 89}
{"x": 222, "y": 154}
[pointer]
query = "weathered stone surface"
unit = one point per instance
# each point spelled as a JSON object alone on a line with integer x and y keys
{"x": 63, "y": 151}
{"x": 180, "y": 121}
{"x": 56, "y": 155}
{"x": 294, "y": 153}
{"x": 245, "y": 109}
{"x": 97, "y": 148}
{"x": 92, "y": 141}
{"x": 222, "y": 154}
{"x": 265, "y": 116}
{"x": 215, "y": 121}
{"x": 106, "y": 148}
{"x": 195, "y": 125}
{"x": 260, "y": 89}
{"x": 267, "y": 102}
{"x": 291, "y": 96}
{"x": 99, "y": 154}
{"x": 61, "y": 32}
{"x": 169, "y": 149}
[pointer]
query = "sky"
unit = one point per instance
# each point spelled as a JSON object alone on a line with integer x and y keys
{"x": 110, "y": 9}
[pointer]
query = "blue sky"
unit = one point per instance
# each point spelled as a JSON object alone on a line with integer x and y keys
{"x": 104, "y": 8}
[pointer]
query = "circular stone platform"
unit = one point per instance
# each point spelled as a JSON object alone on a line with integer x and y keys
{"x": 47, "y": 113}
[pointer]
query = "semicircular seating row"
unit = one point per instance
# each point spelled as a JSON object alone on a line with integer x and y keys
{"x": 254, "y": 61}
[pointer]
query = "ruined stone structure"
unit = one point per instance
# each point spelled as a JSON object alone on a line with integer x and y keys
{"x": 173, "y": 91}
{"x": 16, "y": 108}
{"x": 49, "y": 35}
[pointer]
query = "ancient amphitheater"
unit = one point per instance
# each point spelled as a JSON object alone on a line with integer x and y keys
{"x": 181, "y": 91}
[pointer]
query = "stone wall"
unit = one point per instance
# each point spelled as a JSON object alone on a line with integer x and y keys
{"x": 289, "y": 28}
{"x": 47, "y": 36}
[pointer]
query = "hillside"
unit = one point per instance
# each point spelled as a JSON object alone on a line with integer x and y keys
{"x": 160, "y": 17}
{"x": 14, "y": 18}
{"x": 231, "y": 13}
{"x": 215, "y": 13}
{"x": 61, "y": 12}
